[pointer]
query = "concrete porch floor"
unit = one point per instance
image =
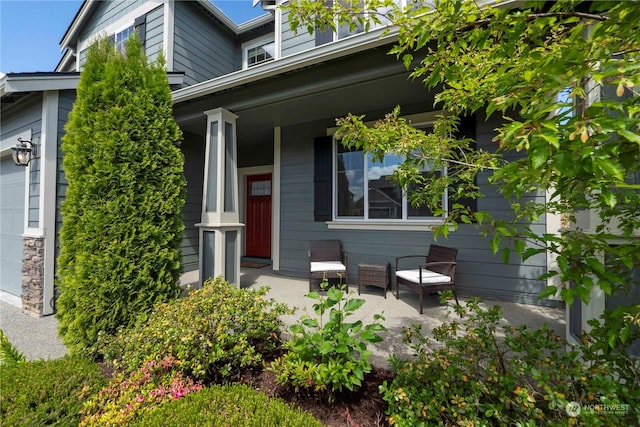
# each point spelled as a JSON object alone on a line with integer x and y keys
{"x": 398, "y": 313}
{"x": 37, "y": 338}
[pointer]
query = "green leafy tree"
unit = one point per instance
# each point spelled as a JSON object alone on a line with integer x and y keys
{"x": 564, "y": 77}
{"x": 121, "y": 220}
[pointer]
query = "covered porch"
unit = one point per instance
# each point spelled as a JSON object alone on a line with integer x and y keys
{"x": 37, "y": 337}
{"x": 398, "y": 313}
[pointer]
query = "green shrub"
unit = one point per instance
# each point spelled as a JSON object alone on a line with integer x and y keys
{"x": 330, "y": 356}
{"x": 132, "y": 396}
{"x": 227, "y": 406}
{"x": 467, "y": 375}
{"x": 213, "y": 333}
{"x": 47, "y": 392}
{"x": 8, "y": 353}
{"x": 122, "y": 215}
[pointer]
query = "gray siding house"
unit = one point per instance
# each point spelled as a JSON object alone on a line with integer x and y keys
{"x": 257, "y": 104}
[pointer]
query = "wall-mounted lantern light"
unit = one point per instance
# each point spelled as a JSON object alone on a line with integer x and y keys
{"x": 23, "y": 153}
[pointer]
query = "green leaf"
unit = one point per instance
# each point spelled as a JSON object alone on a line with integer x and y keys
{"x": 353, "y": 304}
{"x": 610, "y": 168}
{"x": 609, "y": 198}
{"x": 625, "y": 332}
{"x": 505, "y": 255}
{"x": 296, "y": 329}
{"x": 376, "y": 327}
{"x": 633, "y": 137}
{"x": 495, "y": 244}
{"x": 595, "y": 264}
{"x": 528, "y": 75}
{"x": 539, "y": 156}
{"x": 325, "y": 348}
{"x": 547, "y": 292}
{"x": 309, "y": 323}
{"x": 342, "y": 348}
{"x": 334, "y": 295}
{"x": 551, "y": 139}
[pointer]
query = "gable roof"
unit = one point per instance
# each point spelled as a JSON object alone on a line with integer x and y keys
{"x": 70, "y": 36}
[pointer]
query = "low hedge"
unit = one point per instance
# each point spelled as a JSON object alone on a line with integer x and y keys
{"x": 227, "y": 406}
{"x": 47, "y": 392}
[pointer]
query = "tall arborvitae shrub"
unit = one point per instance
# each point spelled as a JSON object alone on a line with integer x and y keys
{"x": 121, "y": 220}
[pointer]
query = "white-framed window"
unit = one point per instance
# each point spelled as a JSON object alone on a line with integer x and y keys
{"x": 364, "y": 190}
{"x": 119, "y": 38}
{"x": 328, "y": 35}
{"x": 258, "y": 51}
{"x": 344, "y": 31}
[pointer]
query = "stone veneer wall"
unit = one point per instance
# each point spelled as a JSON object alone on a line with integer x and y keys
{"x": 33, "y": 275}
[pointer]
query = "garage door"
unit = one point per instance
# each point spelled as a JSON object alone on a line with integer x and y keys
{"x": 11, "y": 225}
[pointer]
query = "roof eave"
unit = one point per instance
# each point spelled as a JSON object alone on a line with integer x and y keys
{"x": 237, "y": 29}
{"x": 299, "y": 60}
{"x": 77, "y": 22}
{"x": 66, "y": 57}
{"x": 35, "y": 82}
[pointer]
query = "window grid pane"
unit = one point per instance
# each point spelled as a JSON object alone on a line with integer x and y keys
{"x": 383, "y": 198}
{"x": 261, "y": 188}
{"x": 122, "y": 37}
{"x": 350, "y": 183}
{"x": 257, "y": 55}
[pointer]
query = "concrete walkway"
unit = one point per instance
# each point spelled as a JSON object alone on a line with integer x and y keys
{"x": 37, "y": 338}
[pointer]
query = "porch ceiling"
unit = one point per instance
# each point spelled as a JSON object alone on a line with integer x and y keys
{"x": 370, "y": 83}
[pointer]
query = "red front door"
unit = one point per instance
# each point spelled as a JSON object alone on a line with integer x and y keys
{"x": 258, "y": 220}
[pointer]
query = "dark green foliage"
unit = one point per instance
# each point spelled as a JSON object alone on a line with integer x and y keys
{"x": 227, "y": 406}
{"x": 213, "y": 333}
{"x": 47, "y": 392}
{"x": 467, "y": 374}
{"x": 121, "y": 220}
{"x": 9, "y": 355}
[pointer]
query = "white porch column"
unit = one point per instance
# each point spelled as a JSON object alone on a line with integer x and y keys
{"x": 220, "y": 227}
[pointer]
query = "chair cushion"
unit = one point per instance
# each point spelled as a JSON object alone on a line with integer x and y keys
{"x": 319, "y": 266}
{"x": 428, "y": 276}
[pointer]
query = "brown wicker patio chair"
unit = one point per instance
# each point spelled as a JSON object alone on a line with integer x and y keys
{"x": 327, "y": 260}
{"x": 431, "y": 273}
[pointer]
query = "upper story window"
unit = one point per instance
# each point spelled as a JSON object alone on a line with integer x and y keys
{"x": 364, "y": 189}
{"x": 343, "y": 31}
{"x": 327, "y": 36}
{"x": 117, "y": 33}
{"x": 119, "y": 39}
{"x": 258, "y": 51}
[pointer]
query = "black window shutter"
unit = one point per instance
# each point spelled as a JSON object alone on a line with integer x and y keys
{"x": 324, "y": 36}
{"x": 322, "y": 167}
{"x": 467, "y": 129}
{"x": 140, "y": 24}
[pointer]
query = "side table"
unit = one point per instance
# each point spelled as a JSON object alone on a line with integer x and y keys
{"x": 377, "y": 275}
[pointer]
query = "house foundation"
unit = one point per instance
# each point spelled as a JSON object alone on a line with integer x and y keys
{"x": 33, "y": 276}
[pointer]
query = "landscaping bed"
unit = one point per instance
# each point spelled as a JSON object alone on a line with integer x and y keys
{"x": 362, "y": 408}
{"x": 216, "y": 357}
